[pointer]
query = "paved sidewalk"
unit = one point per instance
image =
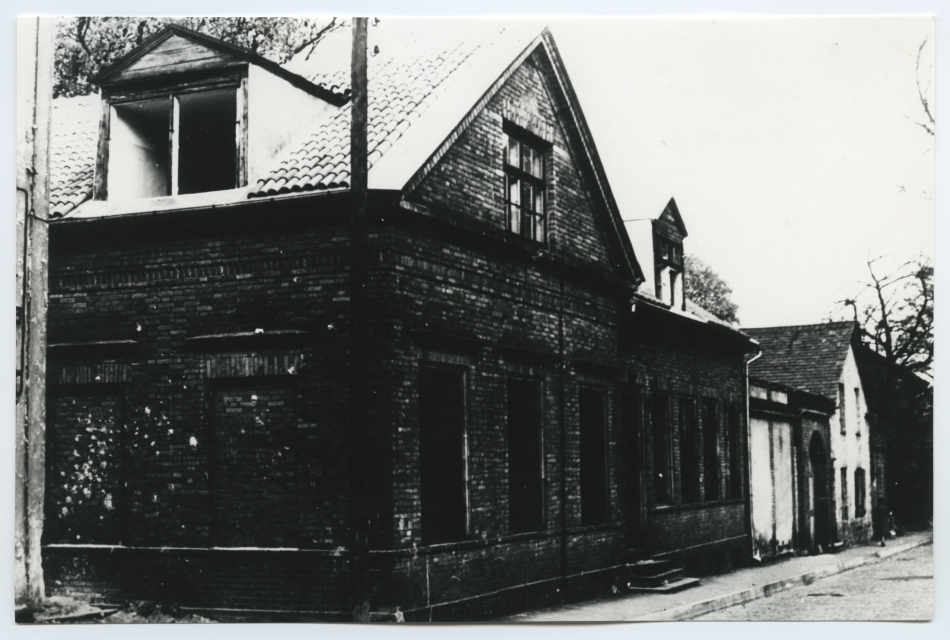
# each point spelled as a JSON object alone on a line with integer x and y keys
{"x": 718, "y": 592}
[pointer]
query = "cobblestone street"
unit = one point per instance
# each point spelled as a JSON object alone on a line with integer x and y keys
{"x": 896, "y": 588}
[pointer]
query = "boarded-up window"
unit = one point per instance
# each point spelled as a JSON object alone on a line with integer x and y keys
{"x": 442, "y": 472}
{"x": 733, "y": 450}
{"x": 859, "y": 493}
{"x": 254, "y": 485}
{"x": 689, "y": 451}
{"x": 844, "y": 494}
{"x": 711, "y": 450}
{"x": 84, "y": 498}
{"x": 593, "y": 435}
{"x": 525, "y": 462}
{"x": 660, "y": 431}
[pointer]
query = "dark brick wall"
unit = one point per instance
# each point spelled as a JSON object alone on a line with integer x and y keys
{"x": 449, "y": 285}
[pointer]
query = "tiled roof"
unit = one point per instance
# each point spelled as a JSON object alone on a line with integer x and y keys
{"x": 808, "y": 357}
{"x": 74, "y": 136}
{"x": 399, "y": 92}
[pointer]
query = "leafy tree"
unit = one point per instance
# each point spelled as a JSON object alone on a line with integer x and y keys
{"x": 85, "y": 45}
{"x": 708, "y": 290}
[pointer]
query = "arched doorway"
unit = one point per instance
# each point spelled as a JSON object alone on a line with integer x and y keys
{"x": 818, "y": 496}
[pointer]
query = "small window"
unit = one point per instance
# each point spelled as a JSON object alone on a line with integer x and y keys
{"x": 175, "y": 144}
{"x": 841, "y": 410}
{"x": 443, "y": 488}
{"x": 859, "y": 493}
{"x": 844, "y": 494}
{"x": 525, "y": 459}
{"x": 593, "y": 436}
{"x": 524, "y": 187}
{"x": 711, "y": 450}
{"x": 857, "y": 411}
{"x": 660, "y": 428}
{"x": 689, "y": 451}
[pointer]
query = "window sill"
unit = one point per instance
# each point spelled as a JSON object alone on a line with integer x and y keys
{"x": 693, "y": 506}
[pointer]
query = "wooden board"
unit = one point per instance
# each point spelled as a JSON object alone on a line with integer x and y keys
{"x": 175, "y": 55}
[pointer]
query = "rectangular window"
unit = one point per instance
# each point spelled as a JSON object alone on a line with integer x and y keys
{"x": 175, "y": 144}
{"x": 660, "y": 428}
{"x": 689, "y": 451}
{"x": 711, "y": 450}
{"x": 733, "y": 450}
{"x": 593, "y": 435}
{"x": 859, "y": 493}
{"x": 525, "y": 456}
{"x": 841, "y": 410}
{"x": 442, "y": 469}
{"x": 857, "y": 411}
{"x": 253, "y": 478}
{"x": 844, "y": 494}
{"x": 524, "y": 187}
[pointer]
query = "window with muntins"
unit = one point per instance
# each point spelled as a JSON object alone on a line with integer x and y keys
{"x": 842, "y": 421}
{"x": 733, "y": 450}
{"x": 668, "y": 266}
{"x": 442, "y": 470}
{"x": 174, "y": 144}
{"x": 711, "y": 450}
{"x": 524, "y": 186}
{"x": 859, "y": 493}
{"x": 844, "y": 494}
{"x": 525, "y": 459}
{"x": 857, "y": 411}
{"x": 593, "y": 436}
{"x": 689, "y": 452}
{"x": 662, "y": 454}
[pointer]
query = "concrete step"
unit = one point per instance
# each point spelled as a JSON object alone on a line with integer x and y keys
{"x": 651, "y": 567}
{"x": 655, "y": 580}
{"x": 672, "y": 587}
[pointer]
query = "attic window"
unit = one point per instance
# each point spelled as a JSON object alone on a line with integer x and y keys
{"x": 668, "y": 269}
{"x": 181, "y": 143}
{"x": 524, "y": 185}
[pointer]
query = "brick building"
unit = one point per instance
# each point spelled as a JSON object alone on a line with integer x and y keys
{"x": 791, "y": 503}
{"x": 820, "y": 359}
{"x": 537, "y": 417}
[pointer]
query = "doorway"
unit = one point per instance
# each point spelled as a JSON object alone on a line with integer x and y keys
{"x": 818, "y": 498}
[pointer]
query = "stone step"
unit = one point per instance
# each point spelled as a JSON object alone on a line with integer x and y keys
{"x": 649, "y": 567}
{"x": 672, "y": 587}
{"x": 655, "y": 580}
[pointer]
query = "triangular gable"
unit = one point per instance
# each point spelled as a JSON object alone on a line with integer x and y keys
{"x": 672, "y": 214}
{"x": 176, "y": 49}
{"x": 422, "y": 147}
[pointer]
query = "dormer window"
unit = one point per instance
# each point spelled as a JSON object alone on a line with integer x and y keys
{"x": 524, "y": 185}
{"x": 176, "y": 143}
{"x": 669, "y": 271}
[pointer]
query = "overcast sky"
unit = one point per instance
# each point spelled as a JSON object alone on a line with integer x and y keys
{"x": 791, "y": 145}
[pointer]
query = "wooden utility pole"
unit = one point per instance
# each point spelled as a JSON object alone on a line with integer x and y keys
{"x": 34, "y": 108}
{"x": 359, "y": 428}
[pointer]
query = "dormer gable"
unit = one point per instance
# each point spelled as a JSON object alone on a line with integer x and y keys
{"x": 187, "y": 114}
{"x": 669, "y": 273}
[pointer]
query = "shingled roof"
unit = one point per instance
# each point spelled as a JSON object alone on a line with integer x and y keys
{"x": 808, "y": 357}
{"x": 400, "y": 91}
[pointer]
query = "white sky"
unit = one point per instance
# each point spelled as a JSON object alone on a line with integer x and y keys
{"x": 784, "y": 141}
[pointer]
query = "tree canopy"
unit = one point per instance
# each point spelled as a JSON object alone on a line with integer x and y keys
{"x": 85, "y": 45}
{"x": 708, "y": 290}
{"x": 895, "y": 312}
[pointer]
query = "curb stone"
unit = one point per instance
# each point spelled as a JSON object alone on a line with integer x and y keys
{"x": 696, "y": 609}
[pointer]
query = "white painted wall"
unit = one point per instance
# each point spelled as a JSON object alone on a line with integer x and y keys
{"x": 278, "y": 114}
{"x": 851, "y": 450}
